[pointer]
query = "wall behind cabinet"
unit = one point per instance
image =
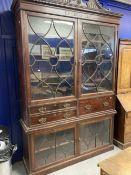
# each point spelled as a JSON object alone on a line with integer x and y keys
{"x": 125, "y": 9}
{"x": 9, "y": 98}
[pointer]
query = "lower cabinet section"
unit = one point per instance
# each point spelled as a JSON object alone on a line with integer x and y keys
{"x": 55, "y": 147}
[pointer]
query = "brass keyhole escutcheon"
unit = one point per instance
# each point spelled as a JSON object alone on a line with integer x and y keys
{"x": 42, "y": 110}
{"x": 106, "y": 103}
{"x": 67, "y": 105}
{"x": 88, "y": 107}
{"x": 67, "y": 115}
{"x": 42, "y": 120}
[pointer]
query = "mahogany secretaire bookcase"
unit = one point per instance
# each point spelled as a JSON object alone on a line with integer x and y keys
{"x": 67, "y": 66}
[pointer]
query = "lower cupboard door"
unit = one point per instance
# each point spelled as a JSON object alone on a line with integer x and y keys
{"x": 94, "y": 135}
{"x": 54, "y": 146}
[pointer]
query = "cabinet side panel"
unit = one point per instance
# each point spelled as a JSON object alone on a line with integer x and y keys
{"x": 21, "y": 69}
{"x": 26, "y": 150}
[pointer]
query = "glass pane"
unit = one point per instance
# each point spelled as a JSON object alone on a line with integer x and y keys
{"x": 87, "y": 135}
{"x": 54, "y": 147}
{"x": 45, "y": 149}
{"x": 97, "y": 58}
{"x": 51, "y": 45}
{"x": 94, "y": 135}
{"x": 65, "y": 142}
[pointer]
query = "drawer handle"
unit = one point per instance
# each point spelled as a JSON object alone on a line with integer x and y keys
{"x": 67, "y": 105}
{"x": 67, "y": 115}
{"x": 106, "y": 103}
{"x": 42, "y": 110}
{"x": 42, "y": 120}
{"x": 88, "y": 107}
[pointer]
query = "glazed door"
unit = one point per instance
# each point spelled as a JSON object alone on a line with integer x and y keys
{"x": 52, "y": 56}
{"x": 94, "y": 135}
{"x": 97, "y": 48}
{"x": 54, "y": 146}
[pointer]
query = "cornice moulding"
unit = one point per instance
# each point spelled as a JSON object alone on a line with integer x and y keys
{"x": 90, "y": 6}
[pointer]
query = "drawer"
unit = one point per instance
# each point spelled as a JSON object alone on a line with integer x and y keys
{"x": 96, "y": 104}
{"x": 128, "y": 120}
{"x": 45, "y": 118}
{"x": 129, "y": 115}
{"x": 127, "y": 137}
{"x": 51, "y": 107}
{"x": 128, "y": 128}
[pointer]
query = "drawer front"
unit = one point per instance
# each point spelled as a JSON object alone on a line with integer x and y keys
{"x": 127, "y": 137}
{"x": 128, "y": 120}
{"x": 46, "y": 118}
{"x": 96, "y": 105}
{"x": 128, "y": 128}
{"x": 51, "y": 107}
{"x": 129, "y": 114}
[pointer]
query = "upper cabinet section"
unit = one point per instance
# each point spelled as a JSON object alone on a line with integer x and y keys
{"x": 51, "y": 50}
{"x": 98, "y": 53}
{"x": 68, "y": 49}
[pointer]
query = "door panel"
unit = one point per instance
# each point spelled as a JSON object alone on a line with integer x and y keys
{"x": 52, "y": 62}
{"x": 97, "y": 48}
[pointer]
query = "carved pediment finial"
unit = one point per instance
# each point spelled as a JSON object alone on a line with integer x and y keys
{"x": 95, "y": 4}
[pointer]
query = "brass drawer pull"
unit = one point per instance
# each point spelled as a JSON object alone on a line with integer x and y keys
{"x": 42, "y": 120}
{"x": 106, "y": 103}
{"x": 67, "y": 105}
{"x": 42, "y": 110}
{"x": 88, "y": 107}
{"x": 67, "y": 115}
